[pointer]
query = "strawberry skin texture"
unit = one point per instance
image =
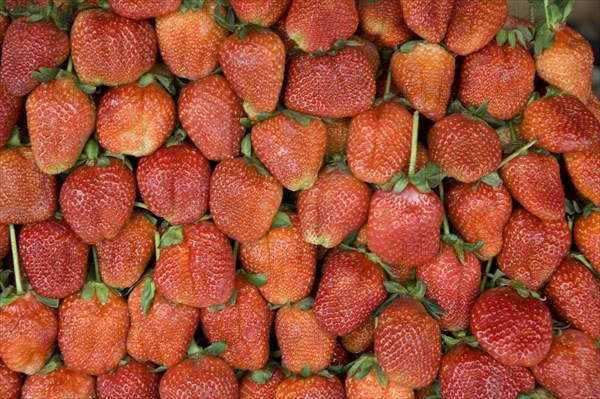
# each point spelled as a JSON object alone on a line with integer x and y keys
{"x": 533, "y": 248}
{"x": 174, "y": 183}
{"x": 5, "y": 242}
{"x": 96, "y": 201}
{"x": 515, "y": 331}
{"x": 369, "y": 387}
{"x": 134, "y": 120}
{"x": 27, "y": 47}
{"x": 60, "y": 120}
{"x": 27, "y": 195}
{"x": 406, "y": 331}
{"x": 587, "y": 237}
{"x": 466, "y": 148}
{"x": 337, "y": 135}
{"x": 4, "y": 23}
{"x": 572, "y": 368}
{"x": 243, "y": 202}
{"x": 359, "y": 339}
{"x": 60, "y": 383}
{"x": 27, "y": 334}
{"x": 468, "y": 372}
{"x": 134, "y": 380}
{"x": 10, "y": 111}
{"x": 427, "y": 18}
{"x": 207, "y": 377}
{"x": 143, "y": 9}
{"x": 251, "y": 390}
{"x": 561, "y": 124}
{"x": 371, "y": 51}
{"x": 502, "y": 75}
{"x": 383, "y": 22}
{"x": 110, "y": 50}
{"x": 332, "y": 86}
{"x": 10, "y": 383}
{"x": 584, "y": 170}
{"x": 210, "y": 113}
{"x": 54, "y": 258}
{"x": 260, "y": 12}
{"x": 162, "y": 336}
{"x": 313, "y": 387}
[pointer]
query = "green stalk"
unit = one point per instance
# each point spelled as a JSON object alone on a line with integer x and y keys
{"x": 70, "y": 64}
{"x": 517, "y": 153}
{"x": 513, "y": 132}
{"x": 546, "y": 13}
{"x": 446, "y": 224}
{"x": 157, "y": 245}
{"x": 15, "y": 257}
{"x": 413, "y": 146}
{"x": 140, "y": 205}
{"x": 487, "y": 270}
{"x": 96, "y": 264}
{"x": 388, "y": 82}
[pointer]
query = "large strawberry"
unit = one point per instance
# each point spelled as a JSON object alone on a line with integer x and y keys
{"x": 311, "y": 387}
{"x": 584, "y": 171}
{"x": 369, "y": 385}
{"x": 383, "y": 22}
{"x": 359, "y": 339}
{"x": 10, "y": 111}
{"x": 143, "y": 9}
{"x": 133, "y": 380}
{"x": 10, "y": 383}
{"x": 260, "y": 12}
{"x": 427, "y": 18}
{"x": 59, "y": 383}
{"x": 586, "y": 235}
{"x": 253, "y": 385}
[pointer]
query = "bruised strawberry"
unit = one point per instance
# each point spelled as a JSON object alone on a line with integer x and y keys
{"x": 586, "y": 234}
{"x": 10, "y": 383}
{"x": 60, "y": 383}
{"x": 143, "y": 9}
{"x": 133, "y": 380}
{"x": 427, "y": 18}
{"x": 249, "y": 389}
{"x": 383, "y": 22}
{"x": 10, "y": 111}
{"x": 337, "y": 136}
{"x": 315, "y": 386}
{"x": 359, "y": 339}
{"x": 370, "y": 386}
{"x": 260, "y": 12}
{"x": 584, "y": 171}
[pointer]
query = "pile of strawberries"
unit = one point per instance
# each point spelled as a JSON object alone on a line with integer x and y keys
{"x": 297, "y": 199}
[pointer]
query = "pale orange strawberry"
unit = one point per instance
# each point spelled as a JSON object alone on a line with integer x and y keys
{"x": 383, "y": 22}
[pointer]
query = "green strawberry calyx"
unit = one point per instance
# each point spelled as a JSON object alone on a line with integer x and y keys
{"x": 215, "y": 349}
{"x": 362, "y": 366}
{"x": 414, "y": 288}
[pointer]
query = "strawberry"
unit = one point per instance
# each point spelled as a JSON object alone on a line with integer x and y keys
{"x": 370, "y": 50}
{"x": 4, "y": 24}
{"x": 261, "y": 389}
{"x": 10, "y": 383}
{"x": 427, "y": 18}
{"x": 60, "y": 119}
{"x": 424, "y": 75}
{"x": 379, "y": 142}
{"x": 97, "y": 200}
{"x": 468, "y": 372}
{"x": 210, "y": 113}
{"x": 533, "y": 248}
{"x": 104, "y": 55}
{"x": 122, "y": 259}
{"x": 465, "y": 147}
{"x": 313, "y": 387}
{"x": 143, "y": 9}
{"x": 572, "y": 367}
{"x": 474, "y": 24}
{"x": 27, "y": 47}
{"x": 292, "y": 152}
{"x": 383, "y": 22}
{"x": 135, "y": 120}
{"x": 5, "y": 241}
{"x": 302, "y": 342}
{"x": 333, "y": 208}
{"x": 243, "y": 201}
{"x": 593, "y": 104}
{"x": 574, "y": 294}
{"x": 331, "y": 86}
{"x": 512, "y": 70}
{"x": 561, "y": 124}
{"x": 189, "y": 41}
{"x": 514, "y": 330}
{"x": 337, "y": 136}
{"x": 10, "y": 111}
{"x": 27, "y": 195}
{"x": 480, "y": 212}
{"x": 288, "y": 262}
{"x": 318, "y": 26}
{"x": 254, "y": 66}
{"x": 259, "y": 12}
{"x": 60, "y": 383}
{"x": 370, "y": 386}
{"x": 584, "y": 171}
{"x": 340, "y": 356}
{"x": 54, "y": 258}
{"x": 359, "y": 339}
{"x": 587, "y": 237}
{"x": 173, "y": 183}
{"x": 133, "y": 380}
{"x": 422, "y": 159}
{"x": 405, "y": 330}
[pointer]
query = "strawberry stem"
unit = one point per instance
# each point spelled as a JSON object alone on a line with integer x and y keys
{"x": 140, "y": 205}
{"x": 70, "y": 64}
{"x": 156, "y": 245}
{"x": 388, "y": 82}
{"x": 485, "y": 274}
{"x": 446, "y": 224}
{"x": 413, "y": 146}
{"x": 96, "y": 264}
{"x": 517, "y": 153}
{"x": 546, "y": 13}
{"x": 15, "y": 257}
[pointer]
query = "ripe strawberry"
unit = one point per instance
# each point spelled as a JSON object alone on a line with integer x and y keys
{"x": 4, "y": 23}
{"x": 104, "y": 55}
{"x": 319, "y": 25}
{"x": 534, "y": 181}
{"x": 301, "y": 340}
{"x": 5, "y": 241}
{"x": 572, "y": 367}
{"x": 465, "y": 147}
{"x": 574, "y": 294}
{"x": 337, "y": 136}
{"x": 334, "y": 207}
{"x": 260, "y": 12}
{"x": 468, "y": 372}
{"x": 27, "y": 195}
{"x": 514, "y": 330}
{"x": 371, "y": 51}
{"x": 143, "y": 9}
{"x": 424, "y": 75}
{"x": 383, "y": 22}
{"x": 313, "y": 387}
{"x": 533, "y": 248}
{"x": 584, "y": 171}
{"x": 10, "y": 111}
{"x": 340, "y": 356}
{"x": 27, "y": 47}
{"x": 512, "y": 70}
{"x": 593, "y": 104}
{"x": 135, "y": 120}
{"x": 54, "y": 258}
{"x": 60, "y": 383}
{"x": 210, "y": 113}
{"x": 406, "y": 331}
{"x": 243, "y": 201}
{"x": 10, "y": 383}
{"x": 587, "y": 237}
{"x": 27, "y": 334}
{"x": 254, "y": 66}
{"x": 474, "y": 24}
{"x": 561, "y": 124}
{"x": 292, "y": 152}
{"x": 332, "y": 86}
{"x": 189, "y": 41}
{"x": 249, "y": 389}
{"x": 428, "y": 19}
{"x": 359, "y": 339}
{"x": 369, "y": 387}
{"x": 133, "y": 380}
{"x": 174, "y": 183}
{"x": 97, "y": 200}
{"x": 421, "y": 161}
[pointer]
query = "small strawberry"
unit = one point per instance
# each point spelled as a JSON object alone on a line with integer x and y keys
{"x": 584, "y": 171}
{"x": 313, "y": 387}
{"x": 586, "y": 235}
{"x": 10, "y": 111}
{"x": 383, "y": 22}
{"x": 427, "y": 18}
{"x": 359, "y": 339}
{"x": 60, "y": 383}
{"x": 10, "y": 383}
{"x": 261, "y": 384}
{"x": 373, "y": 384}
{"x": 143, "y": 9}
{"x": 337, "y": 136}
{"x": 133, "y": 380}
{"x": 260, "y": 12}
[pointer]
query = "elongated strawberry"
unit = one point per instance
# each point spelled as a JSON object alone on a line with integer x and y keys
{"x": 314, "y": 386}
{"x": 10, "y": 111}
{"x": 258, "y": 12}
{"x": 10, "y": 383}
{"x": 584, "y": 171}
{"x": 369, "y": 386}
{"x": 359, "y": 339}
{"x": 253, "y": 386}
{"x": 133, "y": 380}
{"x": 143, "y": 9}
{"x": 427, "y": 18}
{"x": 586, "y": 235}
{"x": 60, "y": 383}
{"x": 383, "y": 22}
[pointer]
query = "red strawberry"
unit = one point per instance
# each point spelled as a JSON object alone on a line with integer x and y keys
{"x": 340, "y": 356}
{"x": 427, "y": 18}
{"x": 369, "y": 386}
{"x": 533, "y": 248}
{"x": 5, "y": 241}
{"x": 593, "y": 104}
{"x": 133, "y": 380}
{"x": 60, "y": 383}
{"x": 359, "y": 339}
{"x": 337, "y": 136}
{"x": 97, "y": 200}
{"x": 4, "y": 23}
{"x": 332, "y": 86}
{"x": 584, "y": 171}
{"x": 382, "y": 21}
{"x": 254, "y": 66}
{"x": 424, "y": 75}
{"x": 422, "y": 159}
{"x": 10, "y": 111}
{"x": 143, "y": 9}
{"x": 587, "y": 237}
{"x": 465, "y": 147}
{"x": 249, "y": 389}
{"x": 514, "y": 330}
{"x": 333, "y": 208}
{"x": 243, "y": 201}
{"x": 468, "y": 372}
{"x": 319, "y": 25}
{"x": 189, "y": 41}
{"x": 10, "y": 383}
{"x": 370, "y": 50}
{"x": 27, "y": 47}
{"x": 108, "y": 49}
{"x": 210, "y": 113}
{"x": 260, "y": 12}
{"x": 313, "y": 387}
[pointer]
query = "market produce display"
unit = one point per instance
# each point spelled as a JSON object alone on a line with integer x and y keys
{"x": 297, "y": 199}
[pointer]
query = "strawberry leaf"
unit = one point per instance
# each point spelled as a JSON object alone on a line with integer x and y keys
{"x": 173, "y": 236}
{"x": 215, "y": 349}
{"x": 51, "y": 302}
{"x": 281, "y": 220}
{"x": 306, "y": 303}
{"x": 148, "y": 292}
{"x": 159, "y": 369}
{"x": 305, "y": 372}
{"x": 493, "y": 179}
{"x": 381, "y": 377}
{"x": 260, "y": 377}
{"x": 88, "y": 291}
{"x": 102, "y": 293}
{"x": 45, "y": 74}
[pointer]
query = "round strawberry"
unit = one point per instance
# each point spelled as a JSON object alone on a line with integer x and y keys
{"x": 315, "y": 386}
{"x": 60, "y": 383}
{"x": 133, "y": 381}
